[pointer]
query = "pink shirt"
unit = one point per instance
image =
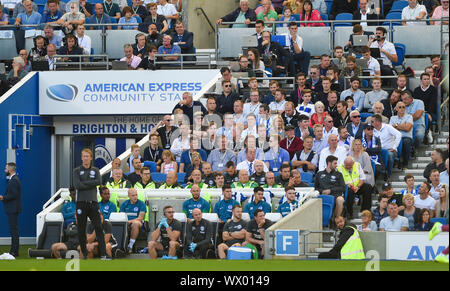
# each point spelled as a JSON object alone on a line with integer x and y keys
{"x": 315, "y": 16}
{"x": 438, "y": 13}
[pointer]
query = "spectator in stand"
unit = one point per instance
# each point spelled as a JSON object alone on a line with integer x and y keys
{"x": 345, "y": 140}
{"x": 318, "y": 117}
{"x": 314, "y": 82}
{"x": 356, "y": 93}
{"x": 359, "y": 154}
{"x": 357, "y": 30}
{"x": 255, "y": 62}
{"x": 328, "y": 127}
{"x": 243, "y": 15}
{"x": 416, "y": 108}
{"x": 387, "y": 50}
{"x": 342, "y": 6}
{"x": 410, "y": 212}
{"x": 218, "y": 158}
{"x": 424, "y": 199}
{"x": 356, "y": 127}
{"x": 184, "y": 39}
{"x": 291, "y": 143}
{"x": 99, "y": 18}
{"x": 394, "y": 222}
{"x": 429, "y": 95}
{"x": 402, "y": 82}
{"x": 135, "y": 176}
{"x": 132, "y": 60}
{"x": 154, "y": 38}
{"x": 331, "y": 104}
{"x": 274, "y": 55}
{"x": 138, "y": 9}
{"x": 437, "y": 162}
{"x": 351, "y": 69}
{"x": 194, "y": 146}
{"x": 168, "y": 48}
{"x": 28, "y": 17}
{"x": 442, "y": 202}
{"x": 71, "y": 47}
{"x": 286, "y": 18}
{"x": 112, "y": 9}
{"x": 303, "y": 130}
{"x": 323, "y": 90}
{"x": 440, "y": 12}
{"x": 278, "y": 106}
{"x": 51, "y": 51}
{"x": 169, "y": 163}
{"x": 310, "y": 14}
{"x": 329, "y": 181}
{"x": 333, "y": 75}
{"x": 20, "y": 8}
{"x": 414, "y": 11}
{"x": 296, "y": 95}
{"x": 325, "y": 63}
{"x": 84, "y": 41}
{"x": 117, "y": 180}
{"x": 380, "y": 211}
{"x": 390, "y": 139}
{"x": 338, "y": 53}
{"x": 444, "y": 175}
{"x": 403, "y": 122}
{"x": 53, "y": 14}
{"x": 410, "y": 187}
{"x": 424, "y": 223}
{"x": 71, "y": 19}
{"x": 128, "y": 18}
{"x": 367, "y": 223}
{"x": 86, "y": 8}
{"x": 298, "y": 54}
{"x": 332, "y": 149}
{"x": 391, "y": 103}
{"x": 350, "y": 103}
{"x": 376, "y": 95}
{"x": 307, "y": 160}
{"x": 305, "y": 106}
{"x": 154, "y": 18}
{"x": 372, "y": 145}
{"x": 275, "y": 156}
{"x": 267, "y": 14}
{"x": 171, "y": 181}
{"x": 39, "y": 50}
{"x": 435, "y": 184}
{"x": 169, "y": 11}
{"x": 365, "y": 13}
{"x": 372, "y": 64}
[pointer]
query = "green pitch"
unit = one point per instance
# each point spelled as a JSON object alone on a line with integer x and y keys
{"x": 24, "y": 263}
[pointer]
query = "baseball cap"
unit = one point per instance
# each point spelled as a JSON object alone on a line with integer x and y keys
{"x": 386, "y": 186}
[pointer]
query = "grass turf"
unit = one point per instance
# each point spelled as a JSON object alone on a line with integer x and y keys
{"x": 24, "y": 263}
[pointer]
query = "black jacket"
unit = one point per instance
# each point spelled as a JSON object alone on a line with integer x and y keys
{"x": 12, "y": 199}
{"x": 371, "y": 16}
{"x": 226, "y": 104}
{"x": 342, "y": 6}
{"x": 231, "y": 17}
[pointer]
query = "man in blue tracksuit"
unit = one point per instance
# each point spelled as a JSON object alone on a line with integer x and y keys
{"x": 291, "y": 204}
{"x": 195, "y": 202}
{"x": 257, "y": 203}
{"x": 135, "y": 210}
{"x": 105, "y": 205}
{"x": 68, "y": 208}
{"x": 224, "y": 209}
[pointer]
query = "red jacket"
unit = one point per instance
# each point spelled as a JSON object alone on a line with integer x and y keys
{"x": 295, "y": 146}
{"x": 315, "y": 16}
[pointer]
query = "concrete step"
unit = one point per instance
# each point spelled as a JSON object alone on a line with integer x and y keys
{"x": 418, "y": 165}
{"x": 424, "y": 159}
{"x": 439, "y": 146}
{"x": 322, "y": 250}
{"x": 416, "y": 178}
{"x": 414, "y": 171}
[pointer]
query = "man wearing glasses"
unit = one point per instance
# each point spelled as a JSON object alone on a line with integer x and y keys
{"x": 355, "y": 127}
{"x": 169, "y": 229}
{"x": 165, "y": 131}
{"x": 274, "y": 55}
{"x": 403, "y": 122}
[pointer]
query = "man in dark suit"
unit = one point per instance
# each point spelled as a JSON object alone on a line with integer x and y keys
{"x": 185, "y": 40}
{"x": 364, "y": 13}
{"x": 274, "y": 55}
{"x": 13, "y": 205}
{"x": 355, "y": 128}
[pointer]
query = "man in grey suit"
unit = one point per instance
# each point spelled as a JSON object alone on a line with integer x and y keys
{"x": 13, "y": 205}
{"x": 356, "y": 127}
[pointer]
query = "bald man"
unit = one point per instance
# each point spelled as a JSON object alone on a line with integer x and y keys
{"x": 195, "y": 202}
{"x": 354, "y": 178}
{"x": 135, "y": 210}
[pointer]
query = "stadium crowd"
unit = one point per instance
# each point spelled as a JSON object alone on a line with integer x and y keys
{"x": 247, "y": 137}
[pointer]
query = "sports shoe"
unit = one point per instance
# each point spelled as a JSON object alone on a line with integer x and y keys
{"x": 441, "y": 259}
{"x": 430, "y": 137}
{"x": 172, "y": 257}
{"x": 105, "y": 258}
{"x": 120, "y": 253}
{"x": 435, "y": 230}
{"x": 164, "y": 257}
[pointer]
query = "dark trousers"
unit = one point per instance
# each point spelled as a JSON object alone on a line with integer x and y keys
{"x": 90, "y": 209}
{"x": 365, "y": 192}
{"x": 406, "y": 150}
{"x": 200, "y": 251}
{"x": 332, "y": 254}
{"x": 14, "y": 231}
{"x": 302, "y": 60}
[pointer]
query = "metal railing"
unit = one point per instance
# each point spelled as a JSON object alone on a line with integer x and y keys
{"x": 159, "y": 60}
{"x": 60, "y": 60}
{"x": 206, "y": 17}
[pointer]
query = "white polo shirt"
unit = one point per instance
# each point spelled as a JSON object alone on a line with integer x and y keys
{"x": 373, "y": 66}
{"x": 387, "y": 46}
{"x": 409, "y": 13}
{"x": 428, "y": 203}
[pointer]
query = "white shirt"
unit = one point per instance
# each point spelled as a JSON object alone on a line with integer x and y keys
{"x": 387, "y": 46}
{"x": 326, "y": 133}
{"x": 340, "y": 153}
{"x": 167, "y": 10}
{"x": 444, "y": 177}
{"x": 390, "y": 137}
{"x": 434, "y": 191}
{"x": 85, "y": 43}
{"x": 251, "y": 108}
{"x": 373, "y": 66}
{"x": 409, "y": 13}
{"x": 428, "y": 203}
{"x": 279, "y": 106}
{"x": 364, "y": 17}
{"x": 245, "y": 165}
{"x": 298, "y": 40}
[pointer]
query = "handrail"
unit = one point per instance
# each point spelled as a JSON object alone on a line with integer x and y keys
{"x": 56, "y": 57}
{"x": 182, "y": 61}
{"x": 206, "y": 16}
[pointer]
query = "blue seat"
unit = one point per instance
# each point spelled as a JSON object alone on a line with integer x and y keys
{"x": 159, "y": 177}
{"x": 364, "y": 116}
{"x": 442, "y": 220}
{"x": 400, "y": 49}
{"x": 296, "y": 16}
{"x": 281, "y": 39}
{"x": 151, "y": 165}
{"x": 41, "y": 8}
{"x": 307, "y": 177}
{"x": 329, "y": 4}
{"x": 113, "y": 20}
{"x": 344, "y": 16}
{"x": 180, "y": 178}
{"x": 40, "y": 2}
{"x": 324, "y": 17}
{"x": 393, "y": 15}
{"x": 398, "y": 6}
{"x": 138, "y": 19}
{"x": 327, "y": 208}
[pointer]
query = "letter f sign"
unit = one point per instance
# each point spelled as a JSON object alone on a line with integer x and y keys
{"x": 287, "y": 241}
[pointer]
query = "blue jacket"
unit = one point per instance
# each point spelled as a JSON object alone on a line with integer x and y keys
{"x": 224, "y": 209}
{"x": 68, "y": 211}
{"x": 190, "y": 205}
{"x": 251, "y": 207}
{"x": 107, "y": 208}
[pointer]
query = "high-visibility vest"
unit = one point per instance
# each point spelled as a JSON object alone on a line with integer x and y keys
{"x": 353, "y": 248}
{"x": 354, "y": 177}
{"x": 115, "y": 195}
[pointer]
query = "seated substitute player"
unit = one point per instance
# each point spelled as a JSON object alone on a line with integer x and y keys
{"x": 233, "y": 234}
{"x": 105, "y": 205}
{"x": 255, "y": 231}
{"x": 199, "y": 234}
{"x": 257, "y": 203}
{"x": 224, "y": 207}
{"x": 291, "y": 203}
{"x": 168, "y": 231}
{"x": 135, "y": 210}
{"x": 71, "y": 243}
{"x": 92, "y": 243}
{"x": 195, "y": 202}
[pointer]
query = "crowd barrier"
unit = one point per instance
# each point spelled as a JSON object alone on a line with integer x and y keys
{"x": 419, "y": 40}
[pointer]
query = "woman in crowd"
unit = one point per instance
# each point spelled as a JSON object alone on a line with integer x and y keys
{"x": 367, "y": 223}
{"x": 195, "y": 165}
{"x": 128, "y": 18}
{"x": 442, "y": 202}
{"x": 424, "y": 223}
{"x": 410, "y": 212}
{"x": 310, "y": 14}
{"x": 359, "y": 155}
{"x": 318, "y": 117}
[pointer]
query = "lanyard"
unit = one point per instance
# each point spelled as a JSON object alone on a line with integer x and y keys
{"x": 110, "y": 7}
{"x": 151, "y": 154}
{"x": 288, "y": 143}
